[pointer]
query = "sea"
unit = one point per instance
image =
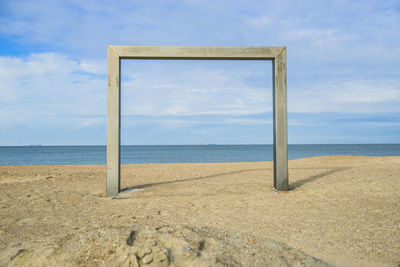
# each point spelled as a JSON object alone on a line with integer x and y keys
{"x": 143, "y": 154}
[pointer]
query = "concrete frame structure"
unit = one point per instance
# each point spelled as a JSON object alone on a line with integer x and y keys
{"x": 116, "y": 53}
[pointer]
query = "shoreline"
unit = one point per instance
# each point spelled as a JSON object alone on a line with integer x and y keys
{"x": 89, "y": 155}
{"x": 342, "y": 210}
{"x": 227, "y": 162}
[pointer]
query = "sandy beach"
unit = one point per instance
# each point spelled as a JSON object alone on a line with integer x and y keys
{"x": 341, "y": 211}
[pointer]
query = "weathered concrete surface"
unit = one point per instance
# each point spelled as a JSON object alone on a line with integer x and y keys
{"x": 197, "y": 52}
{"x": 281, "y": 176}
{"x": 276, "y": 54}
{"x": 113, "y": 123}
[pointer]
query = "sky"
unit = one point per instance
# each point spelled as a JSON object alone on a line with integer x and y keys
{"x": 343, "y": 71}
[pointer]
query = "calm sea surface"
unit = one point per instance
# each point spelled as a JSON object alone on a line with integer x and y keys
{"x": 37, "y": 155}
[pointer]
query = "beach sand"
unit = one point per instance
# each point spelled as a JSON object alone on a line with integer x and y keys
{"x": 342, "y": 210}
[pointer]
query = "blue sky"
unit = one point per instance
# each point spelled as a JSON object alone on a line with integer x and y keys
{"x": 343, "y": 71}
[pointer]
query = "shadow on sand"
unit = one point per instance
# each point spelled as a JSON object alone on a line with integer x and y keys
{"x": 299, "y": 183}
{"x": 193, "y": 179}
{"x": 292, "y": 186}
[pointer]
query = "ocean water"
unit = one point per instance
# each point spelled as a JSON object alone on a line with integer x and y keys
{"x": 62, "y": 155}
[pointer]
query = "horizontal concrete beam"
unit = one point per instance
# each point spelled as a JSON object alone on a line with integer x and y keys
{"x": 197, "y": 52}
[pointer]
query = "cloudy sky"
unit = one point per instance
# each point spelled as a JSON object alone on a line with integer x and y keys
{"x": 343, "y": 71}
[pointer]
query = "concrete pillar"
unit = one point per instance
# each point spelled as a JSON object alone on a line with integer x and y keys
{"x": 281, "y": 176}
{"x": 113, "y": 123}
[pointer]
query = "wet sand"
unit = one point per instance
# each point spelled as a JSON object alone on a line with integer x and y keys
{"x": 343, "y": 210}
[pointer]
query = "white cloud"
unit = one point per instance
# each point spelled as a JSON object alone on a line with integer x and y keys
{"x": 54, "y": 90}
{"x": 161, "y": 89}
{"x": 323, "y": 38}
{"x": 381, "y": 124}
{"x": 94, "y": 66}
{"x": 259, "y": 22}
{"x": 371, "y": 96}
{"x": 342, "y": 57}
{"x": 249, "y": 121}
{"x": 366, "y": 92}
{"x": 50, "y": 87}
{"x": 46, "y": 85}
